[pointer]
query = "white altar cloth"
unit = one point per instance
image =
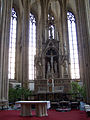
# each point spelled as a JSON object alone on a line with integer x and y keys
{"x": 41, "y": 107}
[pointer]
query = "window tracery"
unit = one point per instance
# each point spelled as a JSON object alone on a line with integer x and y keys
{"x": 73, "y": 46}
{"x": 32, "y": 46}
{"x": 12, "y": 45}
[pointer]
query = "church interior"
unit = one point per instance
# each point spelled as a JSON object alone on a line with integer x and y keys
{"x": 45, "y": 47}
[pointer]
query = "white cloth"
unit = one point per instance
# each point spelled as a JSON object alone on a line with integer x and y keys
{"x": 48, "y": 104}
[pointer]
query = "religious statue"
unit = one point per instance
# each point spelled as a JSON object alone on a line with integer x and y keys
{"x": 51, "y": 61}
{"x": 38, "y": 66}
{"x": 65, "y": 49}
{"x": 55, "y": 66}
{"x": 66, "y": 67}
{"x": 48, "y": 67}
{"x": 50, "y": 28}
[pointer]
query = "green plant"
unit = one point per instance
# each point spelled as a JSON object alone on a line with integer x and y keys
{"x": 82, "y": 92}
{"x": 78, "y": 91}
{"x": 18, "y": 93}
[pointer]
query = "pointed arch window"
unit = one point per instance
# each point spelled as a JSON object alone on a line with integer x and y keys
{"x": 32, "y": 46}
{"x": 12, "y": 45}
{"x": 73, "y": 45}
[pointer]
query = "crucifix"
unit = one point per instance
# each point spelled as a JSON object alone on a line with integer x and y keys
{"x": 51, "y": 61}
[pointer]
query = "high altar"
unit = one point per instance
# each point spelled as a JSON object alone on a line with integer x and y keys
{"x": 52, "y": 63}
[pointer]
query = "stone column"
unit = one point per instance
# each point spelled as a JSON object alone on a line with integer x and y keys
{"x": 43, "y": 67}
{"x": 4, "y": 48}
{"x": 44, "y": 30}
{"x": 65, "y": 33}
{"x": 84, "y": 48}
{"x": 38, "y": 38}
{"x": 44, "y": 14}
{"x": 59, "y": 25}
{"x": 25, "y": 44}
{"x": 64, "y": 21}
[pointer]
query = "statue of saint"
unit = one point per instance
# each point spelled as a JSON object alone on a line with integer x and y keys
{"x": 55, "y": 66}
{"x": 66, "y": 67}
{"x": 48, "y": 67}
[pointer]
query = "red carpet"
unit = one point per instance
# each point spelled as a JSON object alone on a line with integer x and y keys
{"x": 52, "y": 115}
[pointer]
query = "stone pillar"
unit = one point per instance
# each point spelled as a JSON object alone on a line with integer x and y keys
{"x": 38, "y": 39}
{"x": 59, "y": 37}
{"x": 64, "y": 21}
{"x": 25, "y": 44}
{"x": 65, "y": 33}
{"x": 4, "y": 47}
{"x": 84, "y": 48}
{"x": 44, "y": 14}
{"x": 43, "y": 30}
{"x": 43, "y": 67}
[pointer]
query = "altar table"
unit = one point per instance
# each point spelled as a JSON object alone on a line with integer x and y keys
{"x": 26, "y": 109}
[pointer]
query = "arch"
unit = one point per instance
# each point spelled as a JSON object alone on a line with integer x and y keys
{"x": 55, "y": 9}
{"x": 16, "y": 7}
{"x": 55, "y": 51}
{"x": 35, "y": 9}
